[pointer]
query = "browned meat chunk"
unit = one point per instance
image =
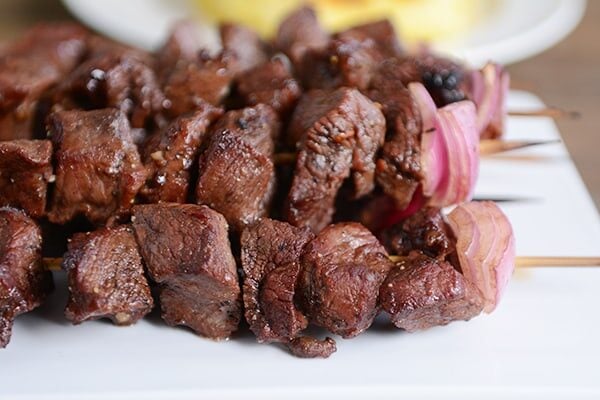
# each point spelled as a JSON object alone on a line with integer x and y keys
{"x": 113, "y": 79}
{"x": 106, "y": 277}
{"x": 169, "y": 155}
{"x": 29, "y": 66}
{"x": 271, "y": 253}
{"x": 425, "y": 232}
{"x": 399, "y": 167}
{"x": 340, "y": 133}
{"x": 300, "y": 32}
{"x": 98, "y": 168}
{"x": 25, "y": 170}
{"x": 245, "y": 44}
{"x": 236, "y": 171}
{"x": 342, "y": 269}
{"x": 24, "y": 283}
{"x": 383, "y": 35}
{"x": 183, "y": 43}
{"x": 270, "y": 83}
{"x": 421, "y": 292}
{"x": 187, "y": 252}
{"x": 192, "y": 82}
{"x": 309, "y": 347}
{"x": 350, "y": 59}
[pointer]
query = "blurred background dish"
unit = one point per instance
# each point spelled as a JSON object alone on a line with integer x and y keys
{"x": 474, "y": 30}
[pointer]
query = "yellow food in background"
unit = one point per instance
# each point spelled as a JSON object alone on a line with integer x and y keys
{"x": 415, "y": 20}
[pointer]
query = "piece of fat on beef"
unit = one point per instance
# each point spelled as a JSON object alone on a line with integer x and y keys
{"x": 421, "y": 292}
{"x": 236, "y": 170}
{"x": 106, "y": 277}
{"x": 97, "y": 166}
{"x": 339, "y": 133}
{"x": 270, "y": 83}
{"x": 271, "y": 253}
{"x": 113, "y": 78}
{"x": 42, "y": 57}
{"x": 425, "y": 231}
{"x": 187, "y": 252}
{"x": 24, "y": 283}
{"x": 170, "y": 154}
{"x": 399, "y": 171}
{"x": 25, "y": 171}
{"x": 249, "y": 49}
{"x": 299, "y": 32}
{"x": 342, "y": 270}
{"x": 192, "y": 82}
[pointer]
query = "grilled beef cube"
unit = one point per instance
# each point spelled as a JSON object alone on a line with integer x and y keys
{"x": 425, "y": 232}
{"x": 29, "y": 66}
{"x": 342, "y": 269}
{"x": 339, "y": 134}
{"x": 422, "y": 292}
{"x": 106, "y": 277}
{"x": 193, "y": 82}
{"x": 270, "y": 83}
{"x": 350, "y": 59}
{"x": 114, "y": 78}
{"x": 187, "y": 252}
{"x": 183, "y": 43}
{"x": 25, "y": 170}
{"x": 399, "y": 166}
{"x": 300, "y": 32}
{"x": 236, "y": 171}
{"x": 24, "y": 284}
{"x": 249, "y": 50}
{"x": 98, "y": 168}
{"x": 383, "y": 35}
{"x": 170, "y": 154}
{"x": 271, "y": 253}
{"x": 309, "y": 347}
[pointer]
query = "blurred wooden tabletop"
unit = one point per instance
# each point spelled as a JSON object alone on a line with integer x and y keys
{"x": 566, "y": 76}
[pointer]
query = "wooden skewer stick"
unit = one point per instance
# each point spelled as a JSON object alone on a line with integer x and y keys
{"x": 551, "y": 112}
{"x": 491, "y": 146}
{"x": 54, "y": 264}
{"x": 526, "y": 262}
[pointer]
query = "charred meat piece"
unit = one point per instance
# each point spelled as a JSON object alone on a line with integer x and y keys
{"x": 25, "y": 170}
{"x": 339, "y": 133}
{"x": 113, "y": 79}
{"x": 425, "y": 232}
{"x": 187, "y": 252}
{"x": 399, "y": 166}
{"x": 98, "y": 168}
{"x": 106, "y": 277}
{"x": 309, "y": 347}
{"x": 250, "y": 51}
{"x": 169, "y": 155}
{"x": 382, "y": 33}
{"x": 300, "y": 32}
{"x": 29, "y": 66}
{"x": 342, "y": 270}
{"x": 236, "y": 171}
{"x": 422, "y": 292}
{"x": 193, "y": 82}
{"x": 183, "y": 43}
{"x": 271, "y": 253}
{"x": 270, "y": 83}
{"x": 24, "y": 284}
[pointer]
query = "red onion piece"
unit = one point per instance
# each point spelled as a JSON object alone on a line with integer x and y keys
{"x": 489, "y": 90}
{"x": 456, "y": 126}
{"x": 485, "y": 246}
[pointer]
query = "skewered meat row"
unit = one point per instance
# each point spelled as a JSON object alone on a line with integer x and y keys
{"x": 339, "y": 279}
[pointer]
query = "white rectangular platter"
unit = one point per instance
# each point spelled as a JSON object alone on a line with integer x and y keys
{"x": 543, "y": 342}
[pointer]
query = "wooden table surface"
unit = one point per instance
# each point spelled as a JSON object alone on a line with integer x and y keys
{"x": 566, "y": 76}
